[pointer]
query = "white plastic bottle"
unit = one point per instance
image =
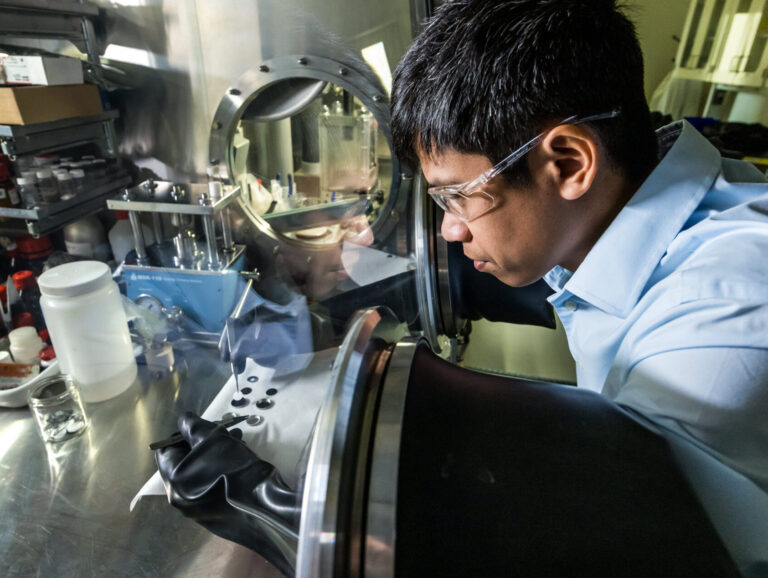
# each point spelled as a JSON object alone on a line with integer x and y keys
{"x": 121, "y": 236}
{"x": 25, "y": 345}
{"x": 84, "y": 314}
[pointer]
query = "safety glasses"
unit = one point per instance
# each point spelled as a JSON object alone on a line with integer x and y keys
{"x": 468, "y": 201}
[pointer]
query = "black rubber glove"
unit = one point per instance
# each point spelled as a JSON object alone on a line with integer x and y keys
{"x": 217, "y": 481}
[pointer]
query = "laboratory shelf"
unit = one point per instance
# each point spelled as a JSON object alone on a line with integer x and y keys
{"x": 325, "y": 214}
{"x": 47, "y": 218}
{"x": 48, "y": 136}
{"x": 46, "y": 18}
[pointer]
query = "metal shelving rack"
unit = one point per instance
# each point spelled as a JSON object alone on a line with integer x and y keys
{"x": 64, "y": 20}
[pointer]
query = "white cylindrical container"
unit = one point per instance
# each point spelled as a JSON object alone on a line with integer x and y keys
{"x": 25, "y": 345}
{"x": 84, "y": 315}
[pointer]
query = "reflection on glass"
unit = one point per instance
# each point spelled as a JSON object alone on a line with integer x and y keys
{"x": 331, "y": 153}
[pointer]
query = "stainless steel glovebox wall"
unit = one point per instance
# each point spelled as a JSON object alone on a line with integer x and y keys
{"x": 179, "y": 58}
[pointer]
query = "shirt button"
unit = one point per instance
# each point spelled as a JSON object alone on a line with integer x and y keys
{"x": 571, "y": 305}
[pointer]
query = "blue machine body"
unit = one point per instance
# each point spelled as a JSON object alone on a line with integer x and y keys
{"x": 206, "y": 297}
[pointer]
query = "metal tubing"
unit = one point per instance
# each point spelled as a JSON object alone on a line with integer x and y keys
{"x": 210, "y": 242}
{"x": 226, "y": 232}
{"x": 157, "y": 225}
{"x": 138, "y": 238}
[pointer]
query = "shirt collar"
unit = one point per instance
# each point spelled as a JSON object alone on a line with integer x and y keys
{"x": 617, "y": 268}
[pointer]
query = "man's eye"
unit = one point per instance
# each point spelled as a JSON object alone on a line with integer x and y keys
{"x": 456, "y": 202}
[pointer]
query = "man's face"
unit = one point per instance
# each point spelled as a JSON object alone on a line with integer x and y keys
{"x": 524, "y": 234}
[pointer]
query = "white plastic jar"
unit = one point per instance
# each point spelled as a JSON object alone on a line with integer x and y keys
{"x": 89, "y": 330}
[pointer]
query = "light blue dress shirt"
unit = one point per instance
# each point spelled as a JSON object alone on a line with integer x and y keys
{"x": 668, "y": 316}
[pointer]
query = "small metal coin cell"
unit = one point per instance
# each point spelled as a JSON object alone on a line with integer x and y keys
{"x": 264, "y": 403}
{"x": 254, "y": 420}
{"x": 242, "y": 402}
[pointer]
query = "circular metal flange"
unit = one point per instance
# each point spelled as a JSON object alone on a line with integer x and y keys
{"x": 281, "y": 87}
{"x": 424, "y": 237}
{"x": 334, "y": 494}
{"x": 380, "y": 531}
{"x": 433, "y": 276}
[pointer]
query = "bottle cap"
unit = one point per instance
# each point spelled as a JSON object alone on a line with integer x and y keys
{"x": 23, "y": 181}
{"x": 44, "y": 335}
{"x": 24, "y": 280}
{"x": 3, "y": 294}
{"x": 44, "y": 174}
{"x": 73, "y": 279}
{"x": 32, "y": 248}
{"x": 121, "y": 215}
{"x": 64, "y": 176}
{"x": 24, "y": 319}
{"x": 25, "y": 335}
{"x": 47, "y": 354}
{"x": 77, "y": 173}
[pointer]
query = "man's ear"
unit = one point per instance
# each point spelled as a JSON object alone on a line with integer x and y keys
{"x": 570, "y": 160}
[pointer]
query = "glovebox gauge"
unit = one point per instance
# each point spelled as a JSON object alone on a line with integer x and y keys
{"x": 150, "y": 303}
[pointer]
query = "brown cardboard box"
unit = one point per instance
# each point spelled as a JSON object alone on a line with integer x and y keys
{"x": 31, "y": 104}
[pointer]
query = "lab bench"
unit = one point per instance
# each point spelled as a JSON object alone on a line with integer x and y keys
{"x": 65, "y": 507}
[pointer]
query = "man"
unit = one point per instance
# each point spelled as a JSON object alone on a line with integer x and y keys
{"x": 528, "y": 120}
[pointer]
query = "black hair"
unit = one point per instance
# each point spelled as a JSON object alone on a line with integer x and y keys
{"x": 485, "y": 76}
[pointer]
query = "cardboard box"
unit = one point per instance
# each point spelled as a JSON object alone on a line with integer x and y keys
{"x": 42, "y": 70}
{"x": 32, "y": 104}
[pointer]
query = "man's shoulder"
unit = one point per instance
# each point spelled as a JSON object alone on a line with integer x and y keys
{"x": 722, "y": 252}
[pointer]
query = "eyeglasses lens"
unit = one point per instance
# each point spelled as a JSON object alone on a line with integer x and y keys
{"x": 465, "y": 206}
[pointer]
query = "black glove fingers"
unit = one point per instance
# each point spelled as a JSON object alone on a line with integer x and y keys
{"x": 195, "y": 429}
{"x": 168, "y": 458}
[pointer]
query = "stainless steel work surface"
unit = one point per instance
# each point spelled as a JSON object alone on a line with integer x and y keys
{"x": 64, "y": 508}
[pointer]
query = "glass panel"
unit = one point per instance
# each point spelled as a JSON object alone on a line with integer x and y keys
{"x": 692, "y": 33}
{"x": 758, "y": 46}
{"x": 714, "y": 24}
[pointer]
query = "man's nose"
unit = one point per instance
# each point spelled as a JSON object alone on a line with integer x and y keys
{"x": 454, "y": 229}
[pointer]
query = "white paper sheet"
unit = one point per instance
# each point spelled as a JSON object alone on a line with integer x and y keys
{"x": 365, "y": 265}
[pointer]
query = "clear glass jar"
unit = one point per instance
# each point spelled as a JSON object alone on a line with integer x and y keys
{"x": 78, "y": 180}
{"x": 55, "y": 402}
{"x": 66, "y": 185}
{"x": 46, "y": 185}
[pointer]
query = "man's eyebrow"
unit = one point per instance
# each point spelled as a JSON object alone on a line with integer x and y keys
{"x": 443, "y": 183}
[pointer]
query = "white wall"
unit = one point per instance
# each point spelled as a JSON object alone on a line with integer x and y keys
{"x": 656, "y": 22}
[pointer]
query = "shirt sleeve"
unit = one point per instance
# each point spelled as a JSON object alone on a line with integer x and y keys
{"x": 715, "y": 397}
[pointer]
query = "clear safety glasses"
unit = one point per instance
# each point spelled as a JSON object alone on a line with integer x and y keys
{"x": 468, "y": 201}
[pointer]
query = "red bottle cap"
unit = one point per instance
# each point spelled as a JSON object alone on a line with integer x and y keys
{"x": 23, "y": 320}
{"x": 121, "y": 215}
{"x": 3, "y": 294}
{"x": 44, "y": 335}
{"x": 32, "y": 248}
{"x": 47, "y": 354}
{"x": 24, "y": 280}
